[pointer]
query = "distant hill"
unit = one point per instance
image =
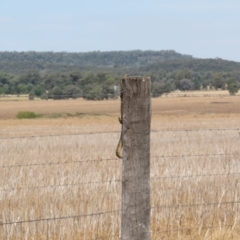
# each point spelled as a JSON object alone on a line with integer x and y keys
{"x": 135, "y": 61}
{"x": 94, "y": 75}
{"x": 194, "y": 64}
{"x": 18, "y": 62}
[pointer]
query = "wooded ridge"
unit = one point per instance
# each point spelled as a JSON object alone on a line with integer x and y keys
{"x": 96, "y": 73}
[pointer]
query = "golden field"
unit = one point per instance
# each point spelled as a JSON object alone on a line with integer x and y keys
{"x": 53, "y": 171}
{"x": 176, "y": 103}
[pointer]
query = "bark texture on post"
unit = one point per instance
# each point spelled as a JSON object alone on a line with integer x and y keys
{"x": 136, "y": 121}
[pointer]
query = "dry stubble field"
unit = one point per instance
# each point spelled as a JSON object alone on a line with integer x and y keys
{"x": 59, "y": 182}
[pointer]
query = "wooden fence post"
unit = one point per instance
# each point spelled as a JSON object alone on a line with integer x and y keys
{"x": 136, "y": 121}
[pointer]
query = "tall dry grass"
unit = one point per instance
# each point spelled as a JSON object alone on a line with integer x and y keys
{"x": 194, "y": 180}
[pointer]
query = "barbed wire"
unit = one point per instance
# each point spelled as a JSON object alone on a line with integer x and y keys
{"x": 200, "y": 94}
{"x": 195, "y": 205}
{"x": 111, "y": 132}
{"x": 59, "y": 218}
{"x": 58, "y": 163}
{"x": 116, "y": 159}
{"x": 58, "y": 186}
{"x": 60, "y": 135}
{"x": 115, "y": 181}
{"x": 196, "y": 228}
{"x": 196, "y": 130}
{"x": 196, "y": 176}
{"x": 114, "y": 211}
{"x": 168, "y": 156}
{"x": 196, "y": 155}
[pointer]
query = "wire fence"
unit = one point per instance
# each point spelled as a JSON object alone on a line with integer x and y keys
{"x": 112, "y": 132}
{"x": 119, "y": 210}
{"x": 119, "y": 181}
{"x": 224, "y": 173}
{"x": 60, "y": 218}
{"x": 115, "y": 95}
{"x": 116, "y": 159}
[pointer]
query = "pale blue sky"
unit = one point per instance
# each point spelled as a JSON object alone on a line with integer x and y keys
{"x": 202, "y": 28}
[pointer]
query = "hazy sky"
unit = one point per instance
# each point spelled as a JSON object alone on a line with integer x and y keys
{"x": 202, "y": 28}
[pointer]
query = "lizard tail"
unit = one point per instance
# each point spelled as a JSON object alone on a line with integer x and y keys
{"x": 119, "y": 148}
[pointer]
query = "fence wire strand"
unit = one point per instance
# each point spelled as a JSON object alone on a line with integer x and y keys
{"x": 197, "y": 228}
{"x": 111, "y": 132}
{"x": 59, "y": 135}
{"x": 196, "y": 176}
{"x": 58, "y": 186}
{"x": 118, "y": 181}
{"x": 58, "y": 163}
{"x": 116, "y": 159}
{"x": 195, "y": 205}
{"x": 59, "y": 218}
{"x": 119, "y": 210}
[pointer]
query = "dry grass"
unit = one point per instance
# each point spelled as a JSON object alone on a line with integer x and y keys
{"x": 188, "y": 200}
{"x": 213, "y": 104}
{"x": 204, "y": 93}
{"x": 9, "y": 97}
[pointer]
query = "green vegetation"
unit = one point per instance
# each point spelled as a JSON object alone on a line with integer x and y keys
{"x": 95, "y": 75}
{"x": 26, "y": 115}
{"x": 232, "y": 86}
{"x": 31, "y": 95}
{"x": 30, "y": 115}
{"x": 62, "y": 115}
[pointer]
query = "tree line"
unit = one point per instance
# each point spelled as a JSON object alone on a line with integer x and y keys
{"x": 96, "y": 75}
{"x": 60, "y": 86}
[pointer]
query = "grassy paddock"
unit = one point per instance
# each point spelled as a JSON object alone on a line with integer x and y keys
{"x": 164, "y": 105}
{"x": 193, "y": 195}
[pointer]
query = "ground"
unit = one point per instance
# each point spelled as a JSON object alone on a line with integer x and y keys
{"x": 63, "y": 165}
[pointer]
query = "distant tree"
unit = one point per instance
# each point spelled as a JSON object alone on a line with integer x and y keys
{"x": 49, "y": 81}
{"x": 31, "y": 95}
{"x": 57, "y": 93}
{"x": 95, "y": 93}
{"x": 39, "y": 90}
{"x": 21, "y": 88}
{"x": 232, "y": 86}
{"x": 186, "y": 84}
{"x": 75, "y": 77}
{"x": 108, "y": 87}
{"x": 196, "y": 82}
{"x": 32, "y": 77}
{"x": 6, "y": 89}
{"x": 30, "y": 87}
{"x": 205, "y": 84}
{"x": 71, "y": 91}
{"x": 185, "y": 74}
{"x": 218, "y": 81}
{"x": 159, "y": 89}
{"x": 3, "y": 78}
{"x": 44, "y": 96}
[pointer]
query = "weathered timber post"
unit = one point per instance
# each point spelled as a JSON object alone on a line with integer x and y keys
{"x": 136, "y": 121}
